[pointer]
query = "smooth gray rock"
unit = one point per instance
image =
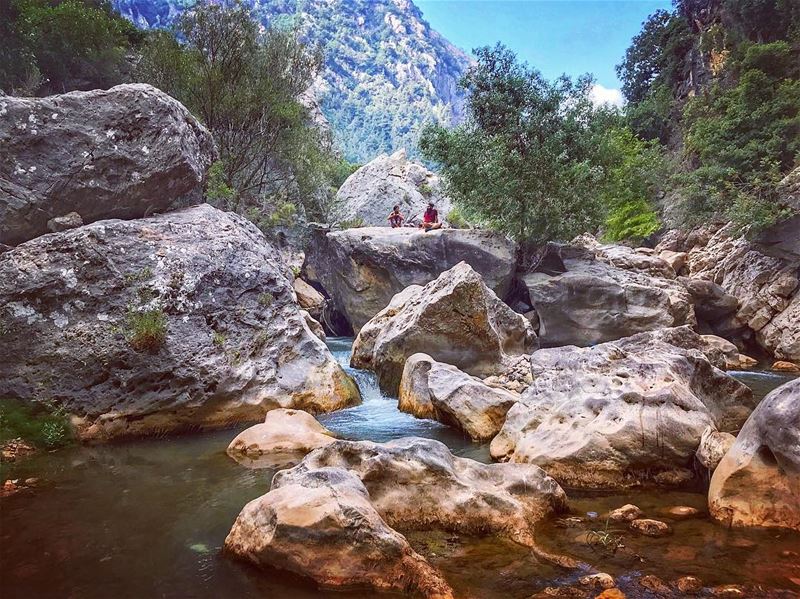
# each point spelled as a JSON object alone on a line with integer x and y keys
{"x": 757, "y": 483}
{"x": 236, "y": 342}
{"x": 621, "y": 413}
{"x": 455, "y": 319}
{"x": 362, "y": 269}
{"x": 370, "y": 193}
{"x": 120, "y": 153}
{"x": 581, "y": 300}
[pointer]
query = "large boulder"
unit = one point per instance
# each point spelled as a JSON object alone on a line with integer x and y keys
{"x": 285, "y": 437}
{"x": 455, "y": 319}
{"x": 757, "y": 483}
{"x": 766, "y": 287}
{"x": 362, "y": 269}
{"x": 431, "y": 389}
{"x": 621, "y": 413}
{"x": 320, "y": 524}
{"x": 368, "y": 195}
{"x": 160, "y": 324}
{"x": 418, "y": 484}
{"x": 328, "y": 518}
{"x": 120, "y": 153}
{"x": 581, "y": 300}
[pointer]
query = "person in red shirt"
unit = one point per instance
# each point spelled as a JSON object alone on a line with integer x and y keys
{"x": 395, "y": 218}
{"x": 430, "y": 220}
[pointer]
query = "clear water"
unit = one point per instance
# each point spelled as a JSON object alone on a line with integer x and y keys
{"x": 148, "y": 519}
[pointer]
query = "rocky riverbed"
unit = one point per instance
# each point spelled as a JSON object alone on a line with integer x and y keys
{"x": 149, "y": 518}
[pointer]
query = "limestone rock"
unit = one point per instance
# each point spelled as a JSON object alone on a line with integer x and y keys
{"x": 283, "y": 434}
{"x": 309, "y": 298}
{"x": 64, "y": 223}
{"x": 621, "y": 413}
{"x": 369, "y": 194}
{"x": 757, "y": 483}
{"x": 320, "y": 524}
{"x": 362, "y": 269}
{"x": 417, "y": 484}
{"x": 455, "y": 319}
{"x": 713, "y": 447}
{"x": 711, "y": 303}
{"x": 626, "y": 513}
{"x": 626, "y": 258}
{"x": 581, "y": 300}
{"x": 765, "y": 286}
{"x": 676, "y": 260}
{"x": 601, "y": 580}
{"x": 689, "y": 585}
{"x": 120, "y": 153}
{"x": 784, "y": 366}
{"x": 650, "y": 528}
{"x": 431, "y": 389}
{"x": 225, "y": 340}
{"x": 733, "y": 359}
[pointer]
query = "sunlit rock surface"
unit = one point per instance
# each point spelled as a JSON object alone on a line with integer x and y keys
{"x": 284, "y": 437}
{"x": 455, "y": 319}
{"x": 621, "y": 413}
{"x": 125, "y": 152}
{"x": 234, "y": 345}
{"x": 370, "y": 193}
{"x": 757, "y": 483}
{"x": 321, "y": 524}
{"x": 431, "y": 389}
{"x": 765, "y": 286}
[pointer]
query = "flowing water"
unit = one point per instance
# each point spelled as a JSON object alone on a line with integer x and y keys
{"x": 148, "y": 518}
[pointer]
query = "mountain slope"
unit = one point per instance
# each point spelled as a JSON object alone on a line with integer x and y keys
{"x": 387, "y": 72}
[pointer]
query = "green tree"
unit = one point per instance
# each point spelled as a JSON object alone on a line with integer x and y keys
{"x": 635, "y": 170}
{"x": 58, "y": 46}
{"x": 743, "y": 138}
{"x": 245, "y": 86}
{"x": 526, "y": 161}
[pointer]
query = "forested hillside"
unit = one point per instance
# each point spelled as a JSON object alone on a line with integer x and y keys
{"x": 718, "y": 83}
{"x": 386, "y": 74}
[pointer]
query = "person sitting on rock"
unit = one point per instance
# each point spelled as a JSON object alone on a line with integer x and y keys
{"x": 430, "y": 220}
{"x": 395, "y": 218}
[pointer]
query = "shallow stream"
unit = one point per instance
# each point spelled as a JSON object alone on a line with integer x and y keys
{"x": 147, "y": 519}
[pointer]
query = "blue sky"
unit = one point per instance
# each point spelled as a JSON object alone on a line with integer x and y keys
{"x": 555, "y": 36}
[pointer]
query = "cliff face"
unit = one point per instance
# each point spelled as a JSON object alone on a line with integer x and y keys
{"x": 387, "y": 72}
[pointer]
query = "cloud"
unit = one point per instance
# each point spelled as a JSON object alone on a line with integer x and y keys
{"x": 602, "y": 95}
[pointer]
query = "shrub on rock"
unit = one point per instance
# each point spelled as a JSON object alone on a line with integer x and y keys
{"x": 158, "y": 324}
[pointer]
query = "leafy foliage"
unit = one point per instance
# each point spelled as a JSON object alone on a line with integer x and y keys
{"x": 244, "y": 85}
{"x": 42, "y": 424}
{"x": 635, "y": 170}
{"x": 524, "y": 162}
{"x": 57, "y": 46}
{"x": 535, "y": 158}
{"x": 740, "y": 128}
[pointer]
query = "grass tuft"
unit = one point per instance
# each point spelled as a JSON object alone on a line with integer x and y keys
{"x": 43, "y": 425}
{"x": 147, "y": 330}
